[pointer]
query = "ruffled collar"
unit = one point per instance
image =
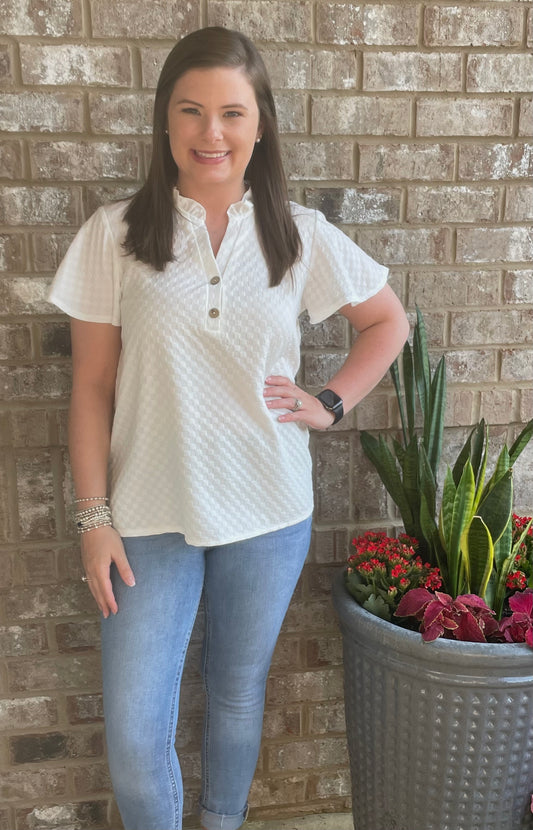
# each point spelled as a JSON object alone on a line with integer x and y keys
{"x": 195, "y": 212}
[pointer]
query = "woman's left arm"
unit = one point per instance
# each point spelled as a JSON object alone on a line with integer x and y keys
{"x": 382, "y": 328}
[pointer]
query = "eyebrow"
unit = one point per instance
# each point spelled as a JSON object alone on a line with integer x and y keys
{"x": 225, "y": 107}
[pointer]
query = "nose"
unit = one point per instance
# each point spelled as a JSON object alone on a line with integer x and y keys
{"x": 213, "y": 129}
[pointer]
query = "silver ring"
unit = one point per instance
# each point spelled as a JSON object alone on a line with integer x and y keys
{"x": 86, "y": 579}
{"x": 297, "y": 405}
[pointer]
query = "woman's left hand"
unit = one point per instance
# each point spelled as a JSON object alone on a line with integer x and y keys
{"x": 281, "y": 393}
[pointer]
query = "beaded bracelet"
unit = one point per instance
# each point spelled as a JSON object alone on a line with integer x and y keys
{"x": 92, "y": 498}
{"x": 93, "y": 517}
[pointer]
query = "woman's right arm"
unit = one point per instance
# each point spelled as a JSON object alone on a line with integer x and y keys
{"x": 95, "y": 354}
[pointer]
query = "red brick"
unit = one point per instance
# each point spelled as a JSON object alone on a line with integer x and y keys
{"x": 76, "y": 161}
{"x": 491, "y": 327}
{"x": 518, "y": 287}
{"x": 517, "y": 365}
{"x": 28, "y": 712}
{"x": 31, "y": 382}
{"x": 471, "y": 366}
{"x": 316, "y": 752}
{"x": 287, "y": 789}
{"x": 85, "y": 814}
{"x": 472, "y": 26}
{"x": 332, "y": 464}
{"x": 49, "y": 249}
{"x": 7, "y": 524}
{"x": 499, "y": 73}
{"x": 331, "y": 332}
{"x": 360, "y": 115}
{"x": 519, "y": 203}
{"x": 497, "y": 405}
{"x": 495, "y": 161}
{"x": 379, "y": 162}
{"x": 10, "y": 160}
{"x": 373, "y": 412}
{"x": 38, "y": 567}
{"x": 327, "y": 718}
{"x": 30, "y": 428}
{"x": 494, "y": 244}
{"x": 286, "y": 654}
{"x": 464, "y": 116}
{"x": 359, "y": 206}
{"x": 55, "y": 339}
{"x": 305, "y": 686}
{"x": 89, "y": 780}
{"x": 457, "y": 203}
{"x": 15, "y": 342}
{"x": 63, "y": 674}
{"x": 159, "y": 18}
{"x": 318, "y": 160}
{"x": 152, "y": 60}
{"x": 21, "y": 205}
{"x": 28, "y": 18}
{"x": 42, "y": 112}
{"x": 18, "y": 640}
{"x": 291, "y": 112}
{"x": 525, "y": 126}
{"x": 454, "y": 289}
{"x": 75, "y": 64}
{"x": 400, "y": 246}
{"x": 35, "y": 496}
{"x": 85, "y": 708}
{"x": 283, "y": 721}
{"x": 328, "y": 546}
{"x": 12, "y": 254}
{"x": 416, "y": 71}
{"x": 277, "y": 20}
{"x": 306, "y": 70}
{"x": 328, "y": 784}
{"x": 49, "y": 601}
{"x": 125, "y": 113}
{"x": 33, "y": 784}
{"x": 461, "y": 406}
{"x": 370, "y": 498}
{"x": 56, "y": 745}
{"x": 323, "y": 651}
{"x": 78, "y": 636}
{"x": 384, "y": 24}
{"x": 526, "y": 413}
{"x": 6, "y": 65}
{"x": 24, "y": 295}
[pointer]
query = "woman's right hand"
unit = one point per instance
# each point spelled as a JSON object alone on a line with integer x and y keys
{"x": 99, "y": 548}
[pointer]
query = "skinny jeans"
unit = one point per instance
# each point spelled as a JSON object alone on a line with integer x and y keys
{"x": 247, "y": 587}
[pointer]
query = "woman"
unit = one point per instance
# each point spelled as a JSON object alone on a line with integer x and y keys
{"x": 184, "y": 307}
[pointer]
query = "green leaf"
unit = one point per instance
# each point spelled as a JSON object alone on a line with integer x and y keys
{"x": 427, "y": 480}
{"x": 496, "y": 507}
{"x": 421, "y": 362}
{"x": 381, "y": 457}
{"x": 446, "y": 509}
{"x": 521, "y": 442}
{"x": 478, "y": 552}
{"x": 377, "y": 605}
{"x": 433, "y": 437}
{"x": 461, "y": 518}
{"x": 478, "y": 451}
{"x": 409, "y": 388}
{"x": 395, "y": 375}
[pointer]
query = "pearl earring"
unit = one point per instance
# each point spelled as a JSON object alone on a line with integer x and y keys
{"x": 257, "y": 140}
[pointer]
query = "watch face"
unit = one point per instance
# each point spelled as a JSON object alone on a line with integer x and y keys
{"x": 329, "y": 398}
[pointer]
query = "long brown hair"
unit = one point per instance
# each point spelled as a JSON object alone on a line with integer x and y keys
{"x": 149, "y": 215}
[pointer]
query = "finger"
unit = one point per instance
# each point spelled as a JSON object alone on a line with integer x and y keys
{"x": 102, "y": 591}
{"x": 124, "y": 569}
{"x": 278, "y": 380}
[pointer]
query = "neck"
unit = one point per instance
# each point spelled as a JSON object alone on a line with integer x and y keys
{"x": 215, "y": 201}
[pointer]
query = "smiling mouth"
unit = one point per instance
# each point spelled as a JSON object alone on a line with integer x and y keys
{"x": 218, "y": 155}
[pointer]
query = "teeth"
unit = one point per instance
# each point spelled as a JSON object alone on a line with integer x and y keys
{"x": 205, "y": 155}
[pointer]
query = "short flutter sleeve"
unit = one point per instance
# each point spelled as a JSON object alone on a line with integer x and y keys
{"x": 339, "y": 272}
{"x": 87, "y": 284}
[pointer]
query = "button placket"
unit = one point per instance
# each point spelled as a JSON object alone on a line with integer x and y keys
{"x": 214, "y": 301}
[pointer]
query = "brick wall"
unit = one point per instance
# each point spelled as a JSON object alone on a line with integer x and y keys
{"x": 407, "y": 123}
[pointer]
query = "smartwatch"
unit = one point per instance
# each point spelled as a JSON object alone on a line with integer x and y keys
{"x": 331, "y": 401}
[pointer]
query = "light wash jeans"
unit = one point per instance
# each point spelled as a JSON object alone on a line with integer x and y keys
{"x": 247, "y": 588}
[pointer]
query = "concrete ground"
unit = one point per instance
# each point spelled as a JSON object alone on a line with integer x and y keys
{"x": 331, "y": 821}
{"x": 325, "y": 821}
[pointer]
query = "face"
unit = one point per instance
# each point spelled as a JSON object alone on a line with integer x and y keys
{"x": 213, "y": 124}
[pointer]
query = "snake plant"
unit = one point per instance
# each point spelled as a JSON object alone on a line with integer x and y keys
{"x": 470, "y": 536}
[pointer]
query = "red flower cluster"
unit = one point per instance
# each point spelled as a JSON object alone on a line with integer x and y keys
{"x": 391, "y": 564}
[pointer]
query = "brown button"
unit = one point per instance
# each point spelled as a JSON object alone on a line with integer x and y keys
{"x": 215, "y": 280}
{"x": 214, "y": 312}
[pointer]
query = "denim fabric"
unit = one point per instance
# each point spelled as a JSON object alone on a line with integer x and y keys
{"x": 247, "y": 588}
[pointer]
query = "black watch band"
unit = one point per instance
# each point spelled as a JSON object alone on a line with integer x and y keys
{"x": 331, "y": 401}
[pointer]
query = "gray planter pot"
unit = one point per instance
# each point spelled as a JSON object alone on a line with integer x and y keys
{"x": 440, "y": 734}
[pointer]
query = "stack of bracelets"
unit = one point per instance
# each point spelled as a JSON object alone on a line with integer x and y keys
{"x": 98, "y": 515}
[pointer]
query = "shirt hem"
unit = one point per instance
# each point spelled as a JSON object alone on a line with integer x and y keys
{"x": 191, "y": 540}
{"x": 318, "y": 316}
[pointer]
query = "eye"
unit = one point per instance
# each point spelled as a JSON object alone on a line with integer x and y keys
{"x": 232, "y": 114}
{"x": 190, "y": 110}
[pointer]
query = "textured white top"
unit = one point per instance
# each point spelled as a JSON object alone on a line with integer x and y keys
{"x": 194, "y": 448}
